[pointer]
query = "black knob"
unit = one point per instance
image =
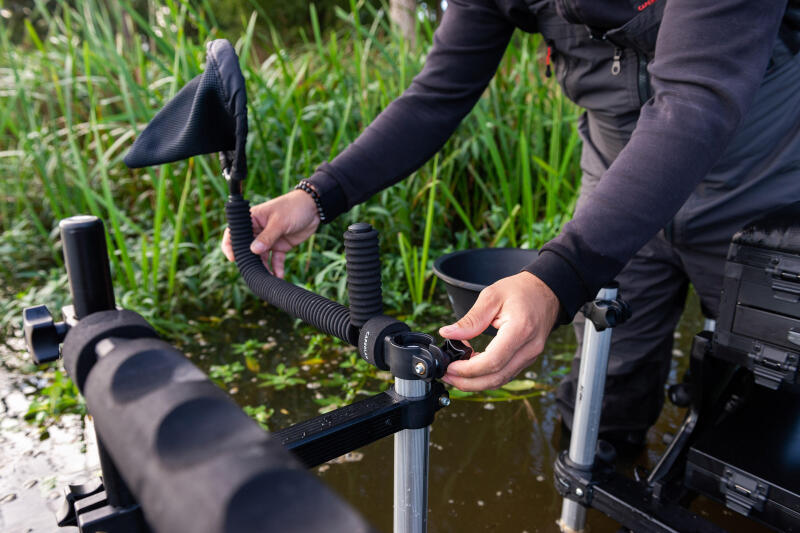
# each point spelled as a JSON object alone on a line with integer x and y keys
{"x": 449, "y": 351}
{"x": 42, "y": 334}
{"x": 680, "y": 394}
{"x": 456, "y": 350}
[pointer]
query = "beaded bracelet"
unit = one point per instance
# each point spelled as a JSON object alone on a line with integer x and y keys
{"x": 306, "y": 186}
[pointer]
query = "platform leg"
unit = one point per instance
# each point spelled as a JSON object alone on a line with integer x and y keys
{"x": 588, "y": 407}
{"x": 411, "y": 468}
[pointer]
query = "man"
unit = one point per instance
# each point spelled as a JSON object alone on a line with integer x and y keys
{"x": 692, "y": 128}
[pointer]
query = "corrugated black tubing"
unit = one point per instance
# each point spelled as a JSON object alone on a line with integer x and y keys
{"x": 363, "y": 272}
{"x": 324, "y": 314}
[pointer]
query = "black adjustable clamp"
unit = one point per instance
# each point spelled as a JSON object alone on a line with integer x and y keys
{"x": 577, "y": 482}
{"x": 390, "y": 345}
{"x": 606, "y": 313}
{"x": 573, "y": 481}
{"x": 415, "y": 356}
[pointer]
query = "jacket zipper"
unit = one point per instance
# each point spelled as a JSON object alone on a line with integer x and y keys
{"x": 616, "y": 65}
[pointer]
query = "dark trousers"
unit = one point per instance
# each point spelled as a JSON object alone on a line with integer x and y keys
{"x": 759, "y": 171}
{"x": 655, "y": 283}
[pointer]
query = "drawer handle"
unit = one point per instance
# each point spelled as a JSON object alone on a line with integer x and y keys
{"x": 788, "y": 292}
{"x": 793, "y": 336}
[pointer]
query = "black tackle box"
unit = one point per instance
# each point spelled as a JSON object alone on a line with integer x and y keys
{"x": 750, "y": 461}
{"x": 759, "y": 315}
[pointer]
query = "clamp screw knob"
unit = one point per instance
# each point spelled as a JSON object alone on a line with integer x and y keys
{"x": 43, "y": 335}
{"x": 420, "y": 368}
{"x": 444, "y": 400}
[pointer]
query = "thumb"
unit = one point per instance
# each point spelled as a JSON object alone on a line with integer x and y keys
{"x": 477, "y": 319}
{"x": 266, "y": 239}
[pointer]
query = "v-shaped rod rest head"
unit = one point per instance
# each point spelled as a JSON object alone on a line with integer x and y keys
{"x": 207, "y": 115}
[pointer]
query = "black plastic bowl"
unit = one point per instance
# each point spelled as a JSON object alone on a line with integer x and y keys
{"x": 467, "y": 272}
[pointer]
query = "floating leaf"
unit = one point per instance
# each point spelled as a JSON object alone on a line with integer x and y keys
{"x": 518, "y": 385}
{"x": 498, "y": 393}
{"x": 252, "y": 363}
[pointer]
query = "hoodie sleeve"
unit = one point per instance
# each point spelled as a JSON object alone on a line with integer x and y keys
{"x": 710, "y": 59}
{"x": 467, "y": 48}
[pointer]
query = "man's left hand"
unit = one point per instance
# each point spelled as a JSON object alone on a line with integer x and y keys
{"x": 524, "y": 311}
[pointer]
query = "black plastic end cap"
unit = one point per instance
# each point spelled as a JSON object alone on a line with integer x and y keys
{"x": 371, "y": 336}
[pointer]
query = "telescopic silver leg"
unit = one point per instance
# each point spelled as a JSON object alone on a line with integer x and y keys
{"x": 411, "y": 468}
{"x": 588, "y": 407}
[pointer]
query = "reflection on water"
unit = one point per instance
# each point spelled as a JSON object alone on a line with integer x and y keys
{"x": 490, "y": 463}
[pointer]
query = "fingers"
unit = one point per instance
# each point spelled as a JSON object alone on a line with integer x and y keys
{"x": 519, "y": 361}
{"x": 509, "y": 340}
{"x": 266, "y": 239}
{"x": 260, "y": 245}
{"x": 227, "y": 247}
{"x": 477, "y": 319}
{"x": 278, "y": 225}
{"x": 258, "y": 218}
{"x": 278, "y": 261}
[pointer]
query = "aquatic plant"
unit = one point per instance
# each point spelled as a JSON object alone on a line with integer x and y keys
{"x": 79, "y": 80}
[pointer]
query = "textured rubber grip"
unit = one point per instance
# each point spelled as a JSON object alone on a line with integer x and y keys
{"x": 324, "y": 314}
{"x": 363, "y": 273}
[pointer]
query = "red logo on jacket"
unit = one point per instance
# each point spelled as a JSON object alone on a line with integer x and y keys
{"x": 645, "y": 5}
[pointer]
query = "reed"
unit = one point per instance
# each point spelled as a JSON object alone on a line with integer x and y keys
{"x": 84, "y": 78}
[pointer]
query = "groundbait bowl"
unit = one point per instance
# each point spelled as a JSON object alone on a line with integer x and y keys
{"x": 467, "y": 272}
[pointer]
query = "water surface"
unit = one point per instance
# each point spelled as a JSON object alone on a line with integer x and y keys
{"x": 490, "y": 462}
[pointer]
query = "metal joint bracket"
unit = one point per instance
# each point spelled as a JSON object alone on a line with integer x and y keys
{"x": 607, "y": 313}
{"x": 342, "y": 430}
{"x": 412, "y": 355}
{"x": 572, "y": 481}
{"x": 419, "y": 412}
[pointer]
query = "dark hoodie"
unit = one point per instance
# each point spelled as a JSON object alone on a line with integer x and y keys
{"x": 689, "y": 72}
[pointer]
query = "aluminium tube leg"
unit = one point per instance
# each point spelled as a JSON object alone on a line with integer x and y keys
{"x": 411, "y": 468}
{"x": 588, "y": 406}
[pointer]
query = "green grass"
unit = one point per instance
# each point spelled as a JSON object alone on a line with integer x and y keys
{"x": 87, "y": 76}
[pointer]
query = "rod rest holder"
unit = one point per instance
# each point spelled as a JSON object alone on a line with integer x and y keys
{"x": 324, "y": 314}
{"x": 390, "y": 345}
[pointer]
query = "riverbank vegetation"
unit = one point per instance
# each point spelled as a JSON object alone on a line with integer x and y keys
{"x": 79, "y": 80}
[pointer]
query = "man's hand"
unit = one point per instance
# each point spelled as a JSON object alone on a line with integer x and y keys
{"x": 524, "y": 311}
{"x": 279, "y": 225}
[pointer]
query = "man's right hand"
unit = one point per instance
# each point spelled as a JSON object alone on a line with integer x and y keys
{"x": 279, "y": 225}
